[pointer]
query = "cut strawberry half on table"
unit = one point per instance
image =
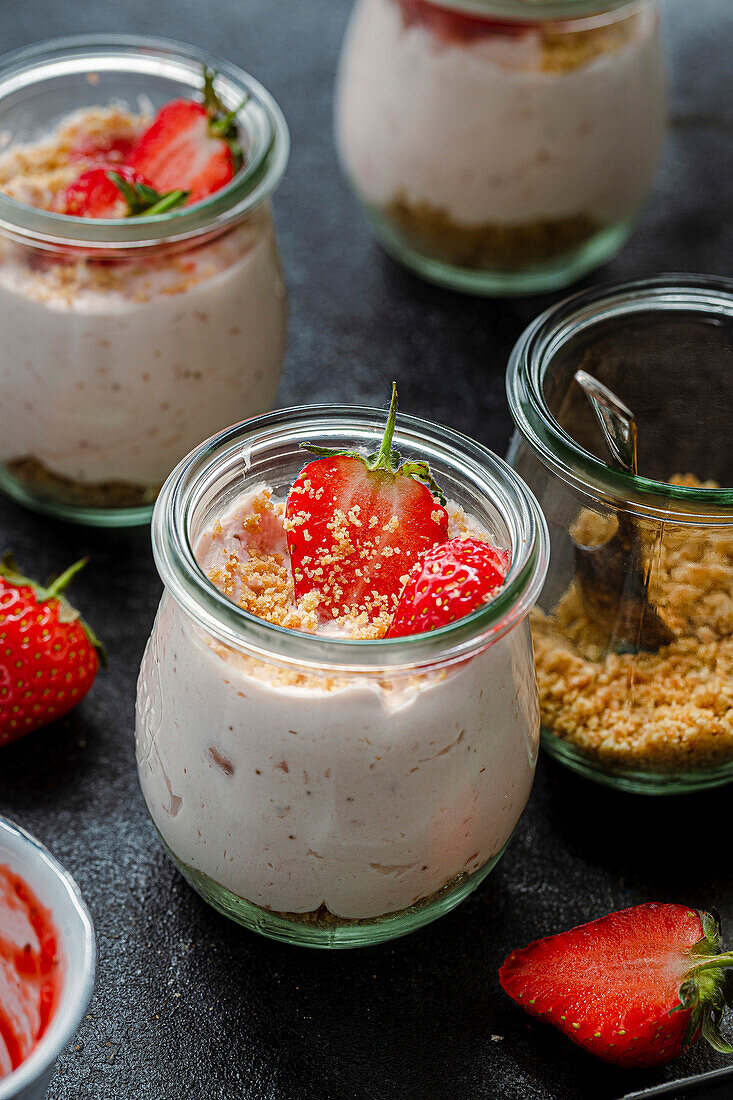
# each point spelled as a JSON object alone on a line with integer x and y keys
{"x": 49, "y": 656}
{"x": 190, "y": 146}
{"x": 357, "y": 524}
{"x": 636, "y": 988}
{"x": 448, "y": 582}
{"x": 114, "y": 191}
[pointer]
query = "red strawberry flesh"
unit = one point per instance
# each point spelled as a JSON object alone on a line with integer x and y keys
{"x": 106, "y": 149}
{"x": 448, "y": 582}
{"x": 48, "y": 656}
{"x": 356, "y": 526}
{"x": 94, "y": 195}
{"x": 616, "y": 985}
{"x": 178, "y": 152}
{"x": 450, "y": 25}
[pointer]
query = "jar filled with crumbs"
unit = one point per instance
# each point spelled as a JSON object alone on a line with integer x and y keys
{"x": 641, "y": 701}
{"x": 128, "y": 339}
{"x": 501, "y": 146}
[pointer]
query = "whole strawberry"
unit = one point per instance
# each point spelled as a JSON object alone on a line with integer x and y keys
{"x": 356, "y": 524}
{"x": 48, "y": 655}
{"x": 636, "y": 988}
{"x": 448, "y": 582}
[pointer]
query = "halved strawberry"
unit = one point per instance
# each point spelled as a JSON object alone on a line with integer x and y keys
{"x": 357, "y": 524}
{"x": 114, "y": 191}
{"x": 191, "y": 146}
{"x": 448, "y": 582}
{"x": 49, "y": 656}
{"x": 637, "y": 987}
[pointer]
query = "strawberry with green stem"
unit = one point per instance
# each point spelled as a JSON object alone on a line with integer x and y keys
{"x": 356, "y": 525}
{"x": 49, "y": 656}
{"x": 114, "y": 192}
{"x": 191, "y": 146}
{"x": 637, "y": 987}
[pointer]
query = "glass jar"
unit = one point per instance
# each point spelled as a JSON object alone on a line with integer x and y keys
{"x": 321, "y": 790}
{"x": 127, "y": 341}
{"x": 635, "y": 692}
{"x": 501, "y": 146}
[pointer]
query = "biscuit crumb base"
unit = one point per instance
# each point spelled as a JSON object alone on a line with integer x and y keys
{"x": 41, "y": 482}
{"x": 666, "y": 711}
{"x": 324, "y": 918}
{"x": 432, "y": 230}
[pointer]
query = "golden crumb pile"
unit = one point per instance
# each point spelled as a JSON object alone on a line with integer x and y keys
{"x": 37, "y": 172}
{"x": 260, "y": 581}
{"x": 667, "y": 710}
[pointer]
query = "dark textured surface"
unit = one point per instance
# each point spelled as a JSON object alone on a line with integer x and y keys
{"x": 186, "y": 1003}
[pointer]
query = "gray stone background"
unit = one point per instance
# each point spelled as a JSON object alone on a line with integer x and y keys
{"x": 188, "y": 1005}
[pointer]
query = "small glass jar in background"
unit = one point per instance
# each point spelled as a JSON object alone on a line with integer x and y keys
{"x": 325, "y": 791}
{"x": 501, "y": 146}
{"x": 650, "y": 711}
{"x": 127, "y": 341}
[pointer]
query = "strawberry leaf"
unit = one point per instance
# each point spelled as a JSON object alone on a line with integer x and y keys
{"x": 223, "y": 123}
{"x": 54, "y": 590}
{"x": 142, "y": 199}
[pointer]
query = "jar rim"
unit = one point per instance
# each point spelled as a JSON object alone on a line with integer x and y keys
{"x": 219, "y": 616}
{"x": 531, "y": 358}
{"x": 537, "y": 11}
{"x": 255, "y": 182}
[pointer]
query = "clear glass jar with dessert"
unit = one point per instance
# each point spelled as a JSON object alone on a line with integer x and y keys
{"x": 141, "y": 295}
{"x": 633, "y": 633}
{"x": 315, "y": 776}
{"x": 501, "y": 146}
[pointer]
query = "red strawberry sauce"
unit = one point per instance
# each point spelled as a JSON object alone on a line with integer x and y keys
{"x": 30, "y": 971}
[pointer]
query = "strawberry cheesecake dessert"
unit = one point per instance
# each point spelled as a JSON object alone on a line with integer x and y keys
{"x": 141, "y": 293}
{"x": 504, "y": 145}
{"x": 337, "y": 720}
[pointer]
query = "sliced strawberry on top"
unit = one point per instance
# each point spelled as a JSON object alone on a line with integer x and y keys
{"x": 114, "y": 191}
{"x": 636, "y": 988}
{"x": 190, "y": 146}
{"x": 356, "y": 525}
{"x": 448, "y": 582}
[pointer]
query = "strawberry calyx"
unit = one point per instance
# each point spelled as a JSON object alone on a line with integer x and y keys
{"x": 141, "y": 198}
{"x": 55, "y": 590}
{"x": 223, "y": 123}
{"x": 387, "y": 458}
{"x": 707, "y": 989}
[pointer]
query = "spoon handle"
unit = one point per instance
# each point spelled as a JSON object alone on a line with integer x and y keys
{"x": 617, "y": 421}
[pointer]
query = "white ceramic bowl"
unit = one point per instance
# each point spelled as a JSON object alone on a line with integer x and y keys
{"x": 56, "y": 889}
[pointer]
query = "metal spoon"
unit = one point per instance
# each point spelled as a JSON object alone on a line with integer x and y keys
{"x": 611, "y": 578}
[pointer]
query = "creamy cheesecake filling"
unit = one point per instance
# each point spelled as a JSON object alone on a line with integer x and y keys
{"x": 334, "y": 796}
{"x": 499, "y": 149}
{"x": 113, "y": 370}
